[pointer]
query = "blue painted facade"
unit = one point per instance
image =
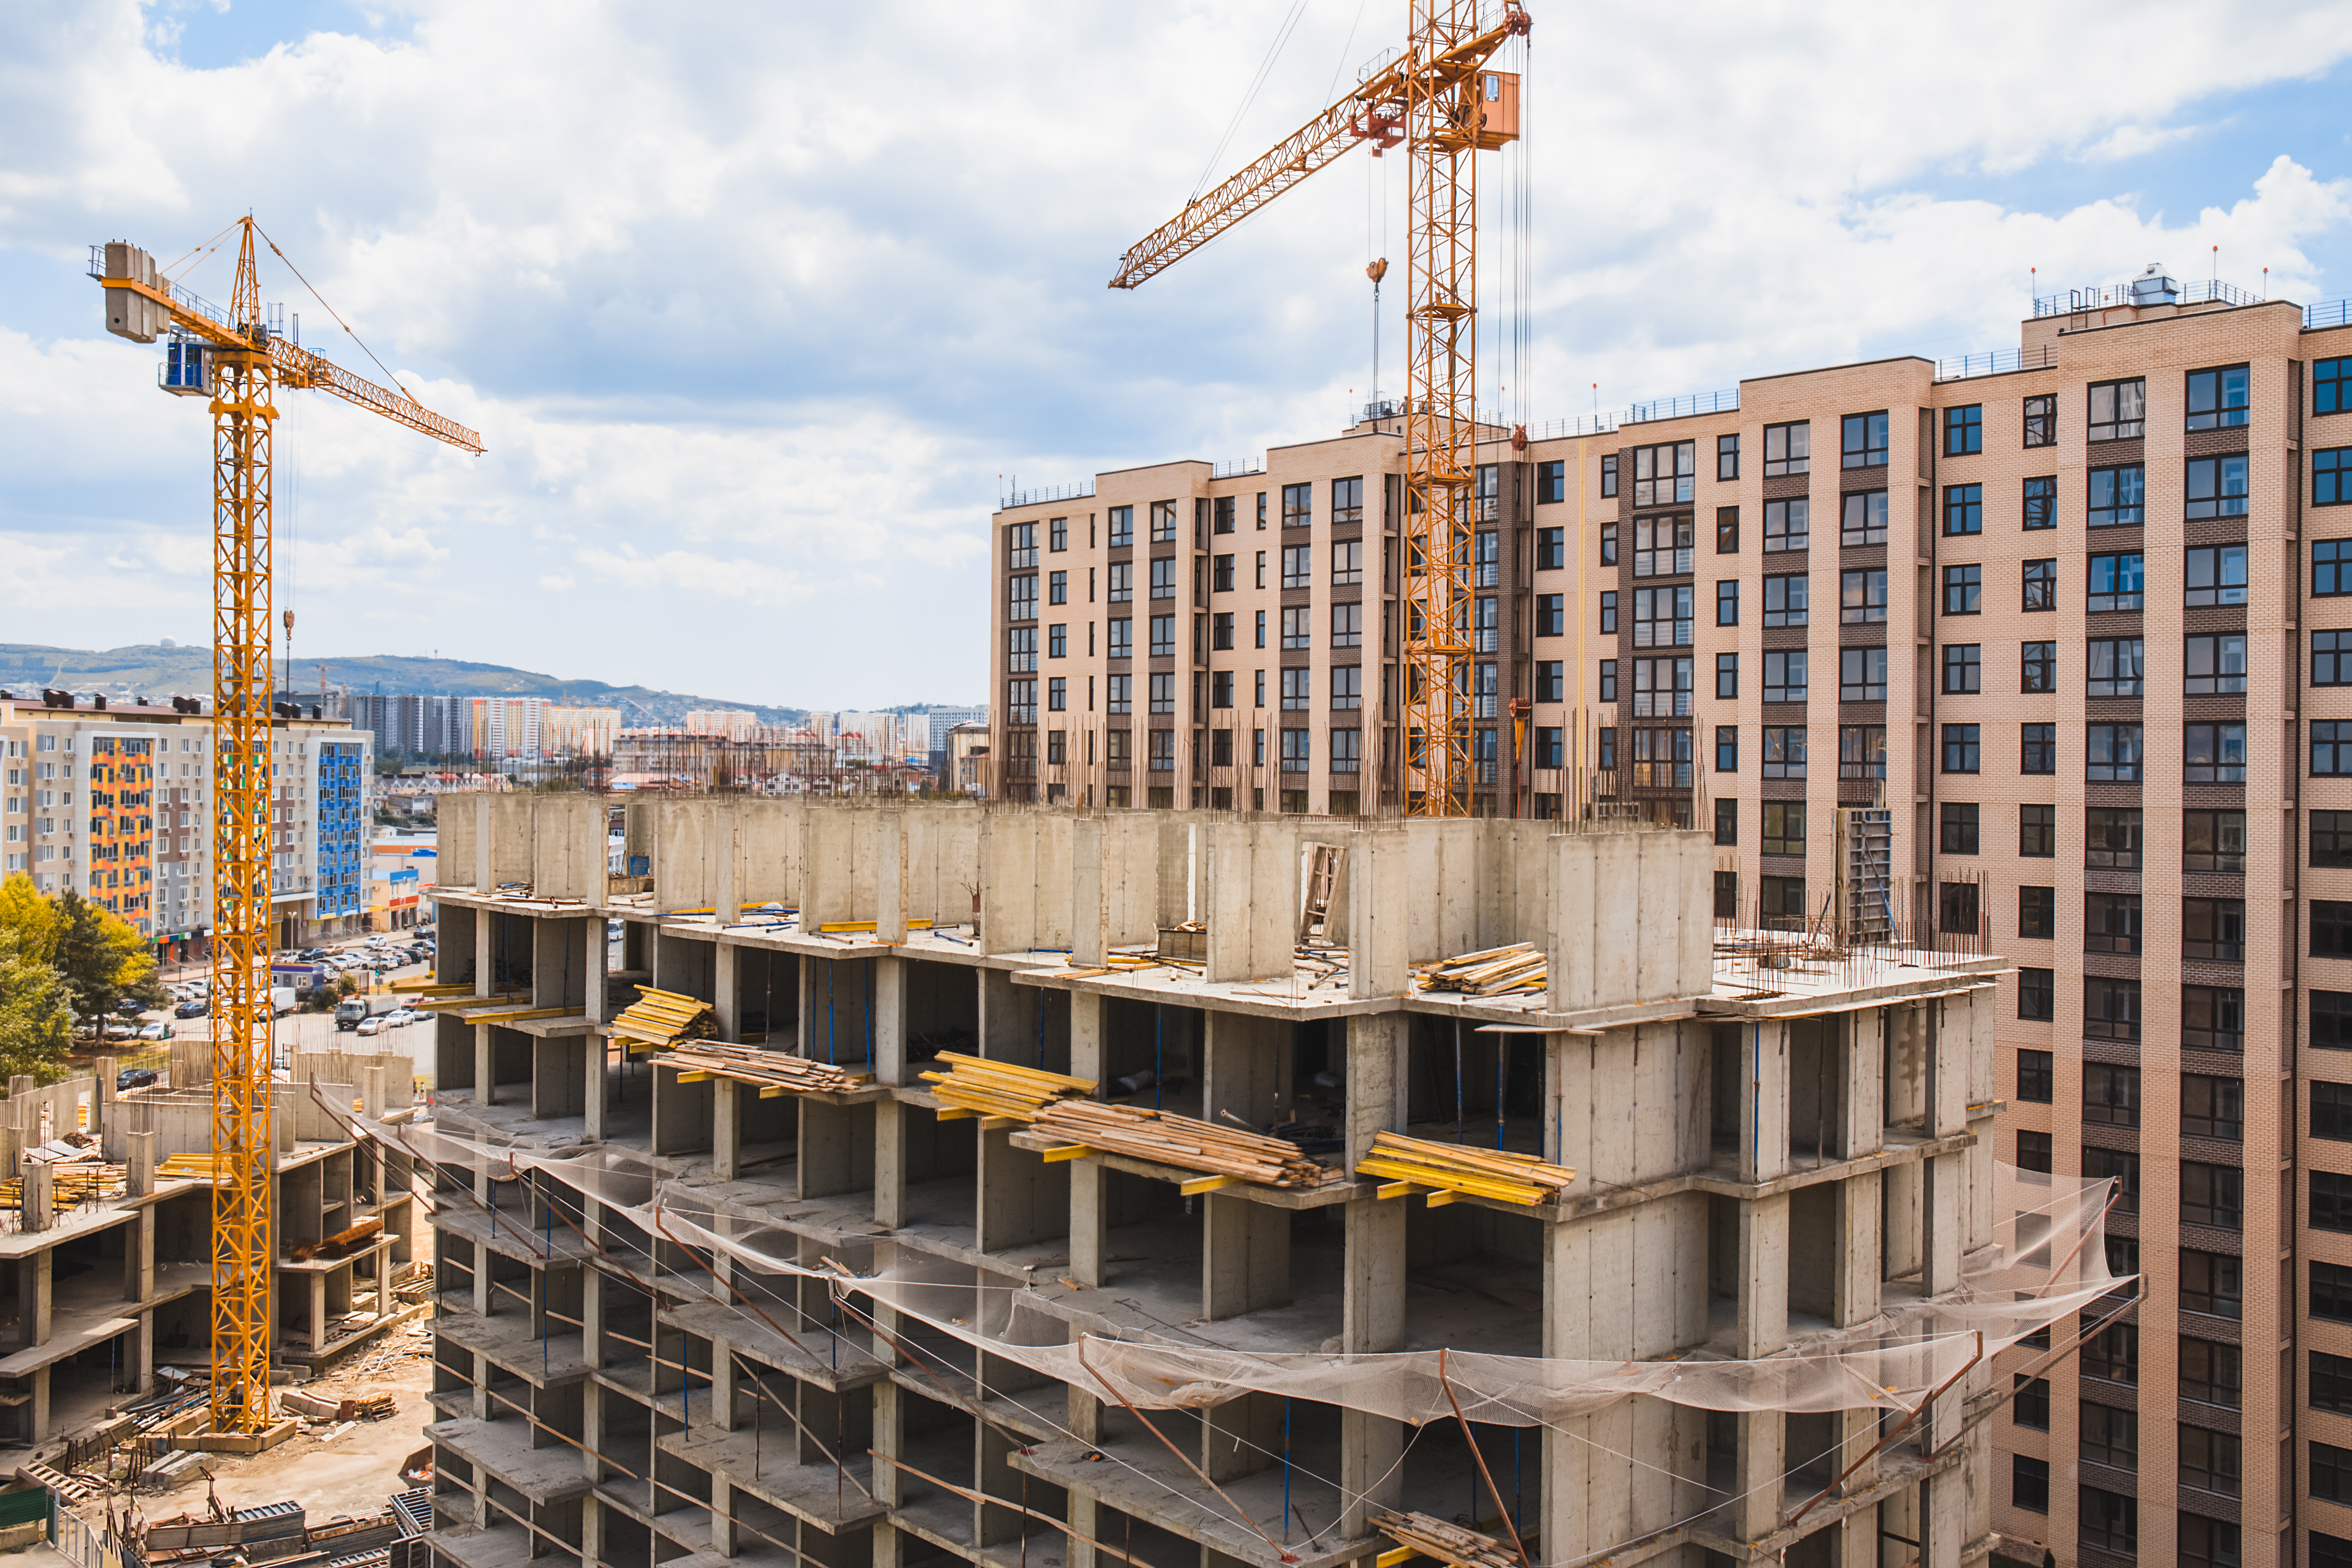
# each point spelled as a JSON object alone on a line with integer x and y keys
{"x": 342, "y": 853}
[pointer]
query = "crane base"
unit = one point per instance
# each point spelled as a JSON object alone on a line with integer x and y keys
{"x": 270, "y": 1437}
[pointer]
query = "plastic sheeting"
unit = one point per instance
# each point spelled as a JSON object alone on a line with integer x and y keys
{"x": 2047, "y": 1259}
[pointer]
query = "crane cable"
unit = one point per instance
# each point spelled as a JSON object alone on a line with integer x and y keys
{"x": 331, "y": 311}
{"x": 1265, "y": 68}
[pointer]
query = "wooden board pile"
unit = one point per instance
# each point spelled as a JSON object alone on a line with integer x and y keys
{"x": 189, "y": 1168}
{"x": 79, "y": 1173}
{"x": 1180, "y": 1140}
{"x": 460, "y": 999}
{"x": 778, "y": 1071}
{"x": 1449, "y": 1168}
{"x": 1448, "y": 1543}
{"x": 1490, "y": 972}
{"x": 661, "y": 1018}
{"x": 999, "y": 1089}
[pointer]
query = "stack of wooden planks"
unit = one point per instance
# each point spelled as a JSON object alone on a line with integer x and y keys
{"x": 462, "y": 998}
{"x": 984, "y": 1087}
{"x": 1178, "y": 1140}
{"x": 1411, "y": 1164}
{"x": 775, "y": 1072}
{"x": 1490, "y": 972}
{"x": 661, "y": 1018}
{"x": 189, "y": 1168}
{"x": 340, "y": 1245}
{"x": 1448, "y": 1543}
{"x": 70, "y": 1184}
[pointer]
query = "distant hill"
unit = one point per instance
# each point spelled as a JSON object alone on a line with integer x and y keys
{"x": 155, "y": 671}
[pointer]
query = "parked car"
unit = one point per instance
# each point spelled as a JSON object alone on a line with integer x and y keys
{"x": 372, "y": 1025}
{"x": 134, "y": 1078}
{"x": 196, "y": 1007}
{"x": 117, "y": 1029}
{"x": 158, "y": 1031}
{"x": 403, "y": 1018}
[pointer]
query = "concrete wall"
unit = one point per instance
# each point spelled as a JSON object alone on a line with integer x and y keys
{"x": 568, "y": 849}
{"x": 1633, "y": 918}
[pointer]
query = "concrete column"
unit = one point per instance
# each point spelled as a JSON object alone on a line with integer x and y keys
{"x": 1764, "y": 1277}
{"x": 1086, "y": 1034}
{"x": 486, "y": 1066}
{"x": 484, "y": 953}
{"x": 598, "y": 1004}
{"x": 1943, "y": 1194}
{"x": 891, "y": 878}
{"x": 39, "y": 1409}
{"x": 1244, "y": 1256}
{"x": 1756, "y": 1475}
{"x": 1943, "y": 1518}
{"x": 726, "y": 1537}
{"x": 726, "y": 1124}
{"x": 1090, "y": 1221}
{"x": 139, "y": 1159}
{"x": 837, "y": 1147}
{"x": 594, "y": 1049}
{"x": 1241, "y": 1437}
{"x": 723, "y": 957}
{"x": 37, "y": 1198}
{"x": 1376, "y": 1079}
{"x": 1763, "y": 1100}
{"x": 1855, "y": 1263}
{"x": 1862, "y": 1048}
{"x": 1021, "y": 1198}
{"x": 1008, "y": 1018}
{"x": 35, "y": 1286}
{"x": 890, "y": 980}
{"x": 1246, "y": 1075}
{"x": 889, "y": 1442}
{"x": 890, "y": 1168}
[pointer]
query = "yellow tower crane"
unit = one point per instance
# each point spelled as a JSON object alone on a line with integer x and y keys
{"x": 1445, "y": 106}
{"x": 237, "y": 358}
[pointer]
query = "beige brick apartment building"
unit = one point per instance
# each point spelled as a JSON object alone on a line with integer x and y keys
{"x": 2047, "y": 644}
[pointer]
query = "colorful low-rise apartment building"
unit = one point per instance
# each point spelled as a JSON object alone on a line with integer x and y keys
{"x": 2081, "y": 616}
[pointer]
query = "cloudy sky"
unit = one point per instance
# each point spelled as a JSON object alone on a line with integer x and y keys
{"x": 760, "y": 307}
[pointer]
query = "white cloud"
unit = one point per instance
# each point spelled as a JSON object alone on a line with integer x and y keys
{"x": 753, "y": 303}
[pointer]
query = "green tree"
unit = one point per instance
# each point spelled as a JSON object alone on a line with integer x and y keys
{"x": 36, "y": 1014}
{"x": 103, "y": 958}
{"x": 32, "y": 917}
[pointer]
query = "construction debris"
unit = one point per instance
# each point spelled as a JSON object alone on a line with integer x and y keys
{"x": 1084, "y": 1125}
{"x": 1448, "y": 1543}
{"x": 340, "y": 1245}
{"x": 1412, "y": 1163}
{"x": 999, "y": 1089}
{"x": 660, "y": 1019}
{"x": 775, "y": 1072}
{"x": 1491, "y": 971}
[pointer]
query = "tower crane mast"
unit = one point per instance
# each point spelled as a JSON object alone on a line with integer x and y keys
{"x": 237, "y": 359}
{"x": 1445, "y": 107}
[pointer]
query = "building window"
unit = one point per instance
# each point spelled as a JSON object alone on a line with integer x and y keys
{"x": 2217, "y": 397}
{"x": 1783, "y": 903}
{"x": 2116, "y": 666}
{"x": 1861, "y": 598}
{"x": 1865, "y": 517}
{"x": 1608, "y": 475}
{"x": 1347, "y": 563}
{"x": 1609, "y": 614}
{"x": 2331, "y": 1293}
{"x": 1788, "y": 449}
{"x": 1221, "y": 688}
{"x": 2331, "y": 1473}
{"x": 2331, "y": 757}
{"x": 2331, "y": 658}
{"x": 2210, "y": 1374}
{"x": 1346, "y": 501}
{"x": 1021, "y": 597}
{"x": 1784, "y": 752}
{"x": 2217, "y": 485}
{"x": 1726, "y": 603}
{"x": 1661, "y": 546}
{"x": 1298, "y": 628}
{"x": 2034, "y": 1151}
{"x": 2207, "y": 1542}
{"x": 2036, "y": 1070}
{"x": 1609, "y": 544}
{"x": 2331, "y": 568}
{"x": 1727, "y": 894}
{"x": 2111, "y": 923}
{"x": 1864, "y": 440}
{"x": 1552, "y": 548}
{"x": 1662, "y": 687}
{"x": 1057, "y": 588}
{"x": 2331, "y": 477}
{"x": 2213, "y": 841}
{"x": 2212, "y": 1107}
{"x": 2110, "y": 1435}
{"x": 2111, "y": 1009}
{"x": 2038, "y": 913}
{"x": 1787, "y": 524}
{"x": 2038, "y": 667}
{"x": 1163, "y": 636}
{"x": 1785, "y": 600}
{"x": 1784, "y": 827}
{"x": 2041, "y": 420}
{"x": 1963, "y": 668}
{"x": 2037, "y": 832}
{"x": 2212, "y": 1018}
{"x": 2214, "y": 753}
{"x": 1605, "y": 748}
{"x": 2119, "y": 496}
{"x": 1862, "y": 751}
{"x": 1727, "y": 753}
{"x": 1550, "y": 746}
{"x": 2113, "y": 1353}
{"x": 2331, "y": 838}
{"x": 1662, "y": 474}
{"x": 1020, "y": 657}
{"x": 1727, "y": 530}
{"x": 1298, "y": 567}
{"x": 1298, "y": 506}
{"x": 1726, "y": 676}
{"x": 2213, "y": 1195}
{"x": 1959, "y": 832}
{"x": 1118, "y": 694}
{"x": 2331, "y": 386}
{"x": 1057, "y": 695}
{"x": 1122, "y": 582}
{"x": 2331, "y": 1201}
{"x": 1962, "y": 750}
{"x": 2331, "y": 929}
{"x": 1297, "y": 751}
{"x": 2117, "y": 409}
{"x": 2331, "y": 1382}
{"x": 1958, "y": 909}
{"x": 2215, "y": 576}
{"x": 1727, "y": 457}
{"x": 1551, "y": 615}
{"x": 2112, "y": 754}
{"x": 1661, "y": 617}
{"x": 1862, "y": 675}
{"x": 1661, "y": 759}
{"x": 2210, "y": 1281}
{"x": 1964, "y": 430}
{"x": 2030, "y": 1409}
{"x": 1163, "y": 693}
{"x": 1784, "y": 675}
{"x": 2216, "y": 663}
{"x": 1551, "y": 483}
{"x": 1963, "y": 509}
{"x": 1963, "y": 591}
{"x": 2041, "y": 502}
{"x": 1347, "y": 686}
{"x": 1727, "y": 825}
{"x": 1346, "y": 626}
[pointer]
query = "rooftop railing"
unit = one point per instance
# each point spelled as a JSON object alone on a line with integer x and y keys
{"x": 2330, "y": 313}
{"x": 1725, "y": 402}
{"x": 2144, "y": 291}
{"x": 1999, "y": 361}
{"x": 1234, "y": 467}
{"x": 1049, "y": 493}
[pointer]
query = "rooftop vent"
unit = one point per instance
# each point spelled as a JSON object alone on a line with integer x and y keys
{"x": 2153, "y": 288}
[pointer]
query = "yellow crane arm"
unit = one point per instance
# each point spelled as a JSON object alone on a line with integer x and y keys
{"x": 293, "y": 364}
{"x": 1372, "y": 112}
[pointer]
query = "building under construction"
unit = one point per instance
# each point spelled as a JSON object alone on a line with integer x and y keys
{"x": 938, "y": 1184}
